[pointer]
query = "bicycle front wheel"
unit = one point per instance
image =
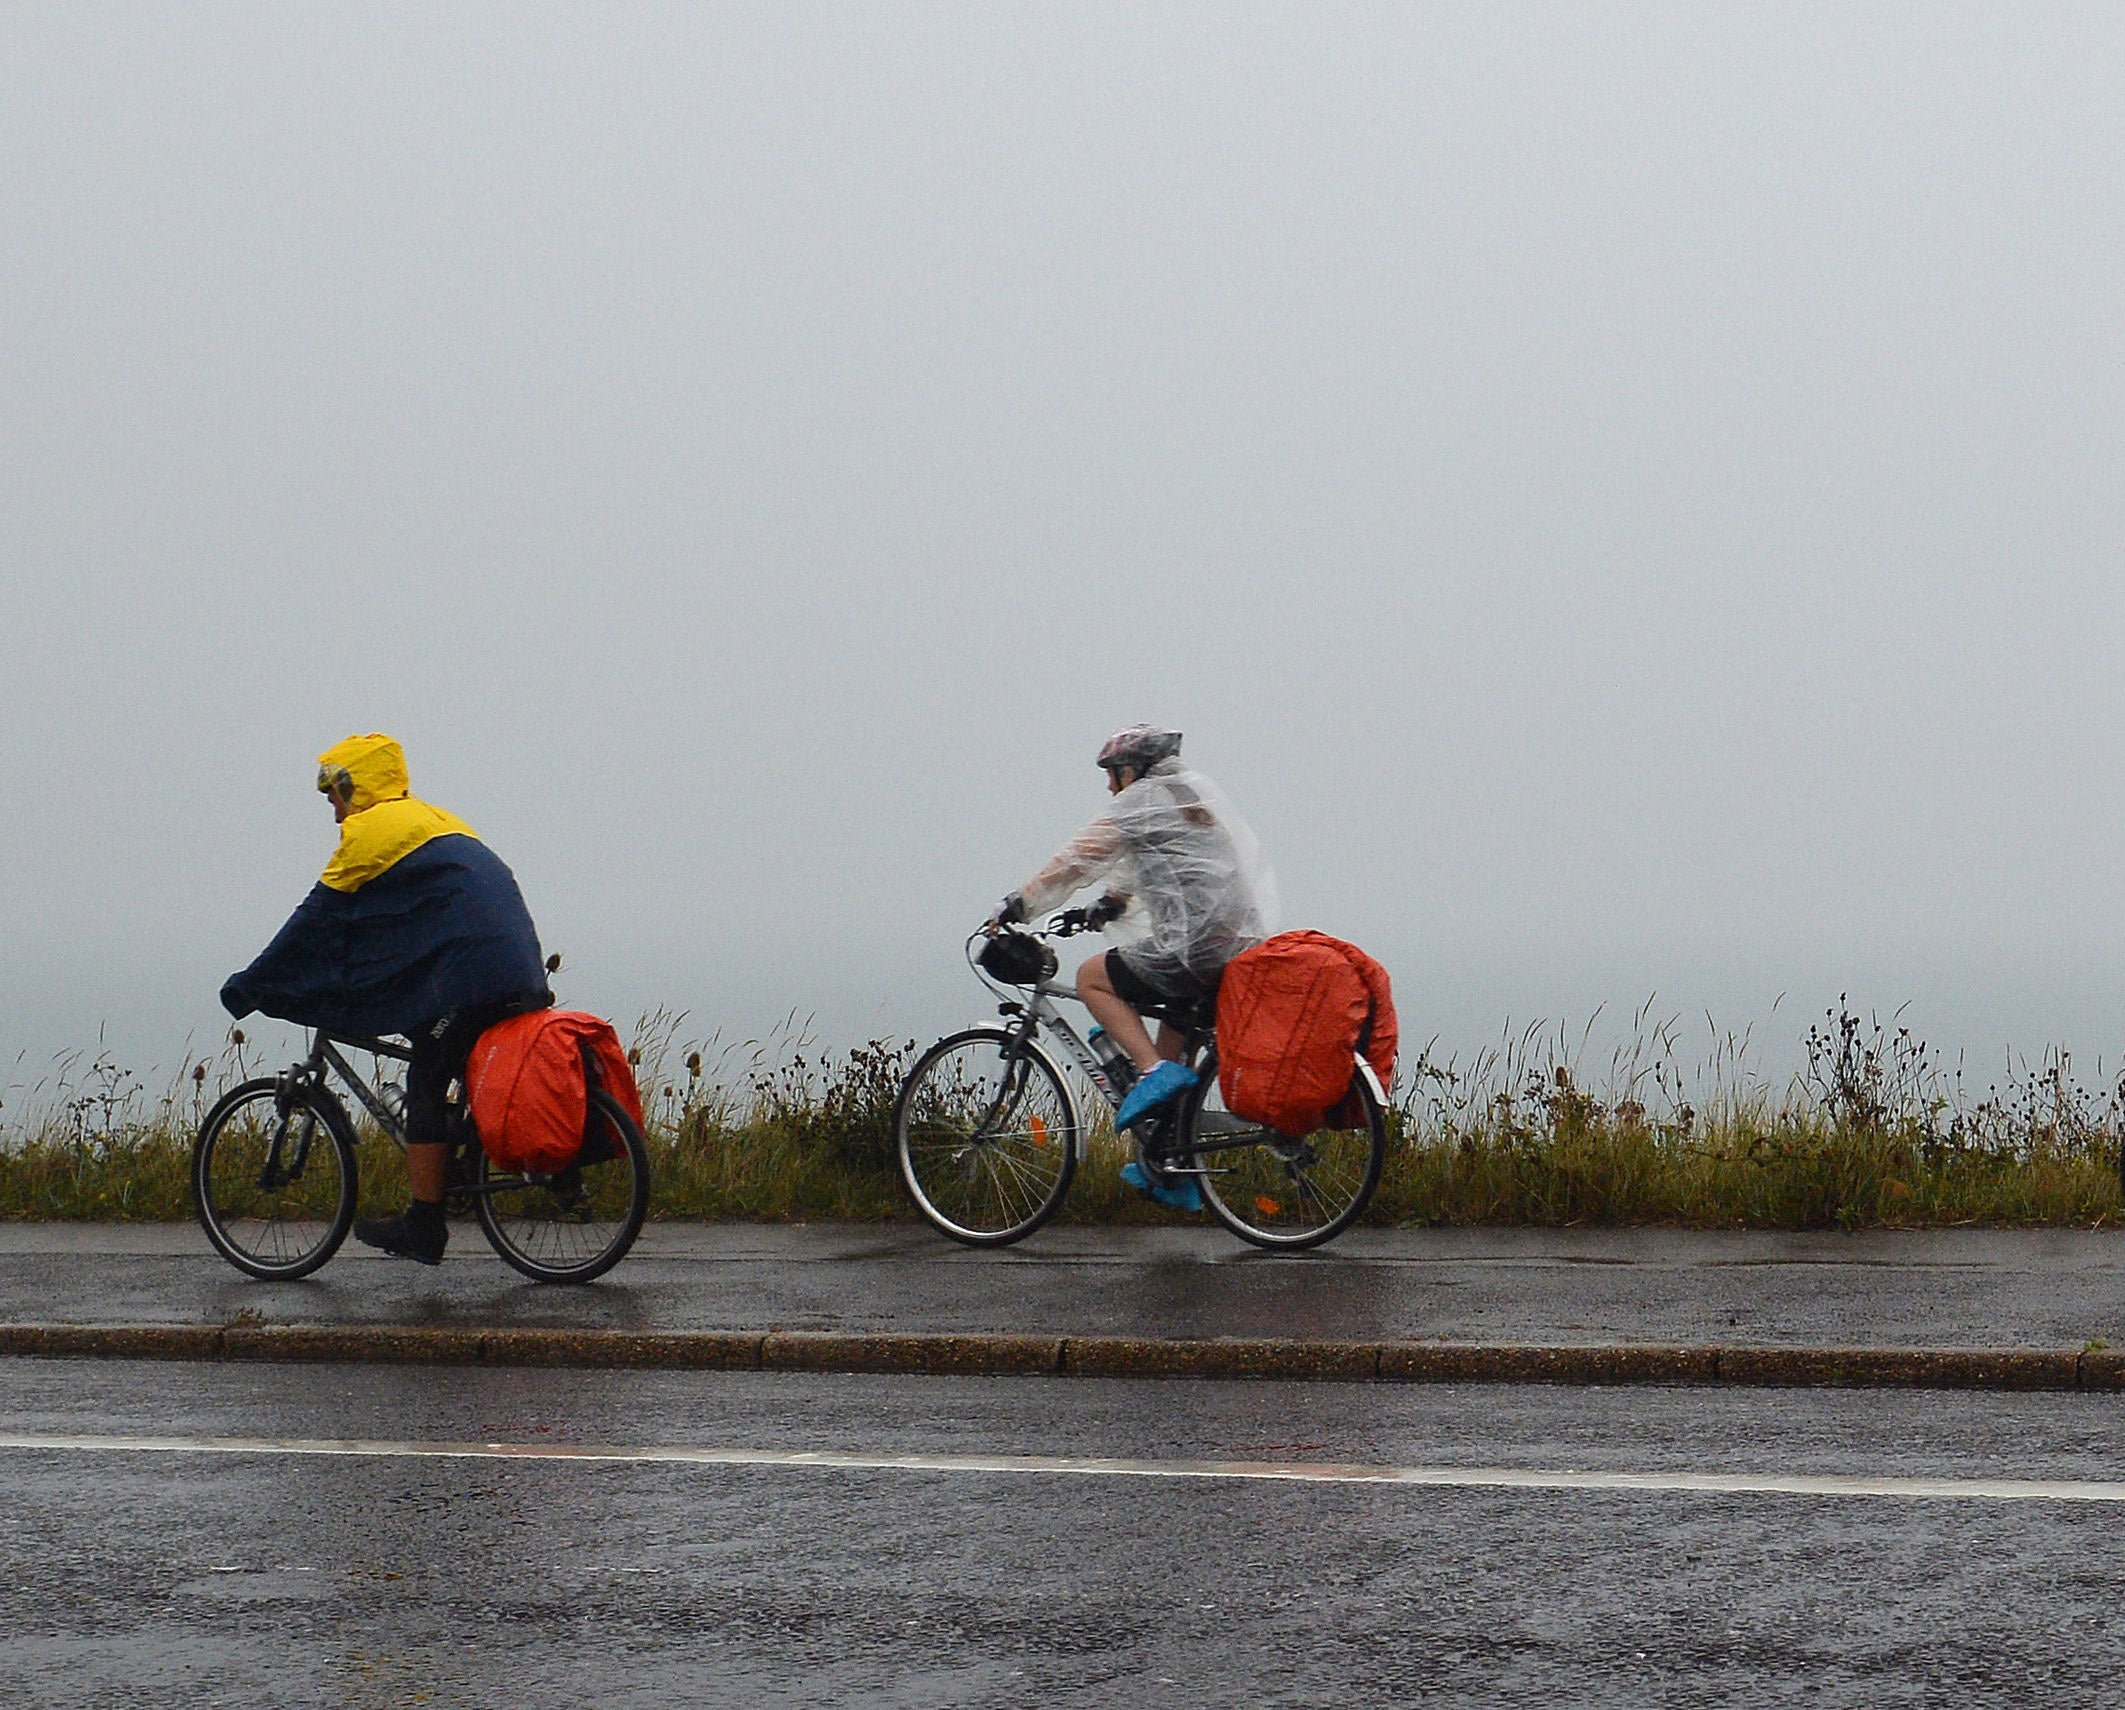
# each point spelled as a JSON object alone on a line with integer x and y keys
{"x": 1281, "y": 1191}
{"x": 574, "y": 1226}
{"x": 273, "y": 1179}
{"x": 987, "y": 1136}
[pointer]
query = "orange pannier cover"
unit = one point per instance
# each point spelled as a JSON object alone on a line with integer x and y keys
{"x": 1292, "y": 1014}
{"x": 525, "y": 1083}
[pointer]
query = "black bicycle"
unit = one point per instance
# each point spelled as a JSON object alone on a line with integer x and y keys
{"x": 988, "y": 1132}
{"x": 274, "y": 1176}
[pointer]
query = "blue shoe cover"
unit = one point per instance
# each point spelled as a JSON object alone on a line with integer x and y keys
{"x": 1182, "y": 1195}
{"x": 1161, "y": 1086}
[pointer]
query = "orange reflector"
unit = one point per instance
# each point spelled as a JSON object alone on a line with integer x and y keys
{"x": 1266, "y": 1206}
{"x": 1040, "y": 1132}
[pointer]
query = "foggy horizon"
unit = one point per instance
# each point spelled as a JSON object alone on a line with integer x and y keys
{"x": 1624, "y": 501}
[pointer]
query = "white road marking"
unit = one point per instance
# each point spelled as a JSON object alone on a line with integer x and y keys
{"x": 1092, "y": 1466}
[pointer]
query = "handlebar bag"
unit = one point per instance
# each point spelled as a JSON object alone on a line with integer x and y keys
{"x": 527, "y": 1082}
{"x": 1293, "y": 1015}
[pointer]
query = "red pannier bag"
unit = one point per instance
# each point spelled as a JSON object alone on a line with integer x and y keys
{"x": 526, "y": 1081}
{"x": 1293, "y": 1014}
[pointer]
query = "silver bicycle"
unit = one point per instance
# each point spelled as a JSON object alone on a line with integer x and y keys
{"x": 989, "y": 1134}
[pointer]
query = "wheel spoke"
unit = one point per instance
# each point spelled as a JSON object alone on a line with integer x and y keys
{"x": 986, "y": 1144}
{"x": 1283, "y": 1192}
{"x": 574, "y": 1226}
{"x": 273, "y": 1181}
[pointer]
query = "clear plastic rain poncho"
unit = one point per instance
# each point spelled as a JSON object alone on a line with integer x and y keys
{"x": 1199, "y": 888}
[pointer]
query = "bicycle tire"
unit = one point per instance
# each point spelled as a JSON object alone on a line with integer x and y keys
{"x": 1274, "y": 1190}
{"x": 985, "y": 1191}
{"x": 251, "y": 1222}
{"x": 540, "y": 1225}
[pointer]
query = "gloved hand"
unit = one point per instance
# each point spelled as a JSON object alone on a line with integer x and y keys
{"x": 1108, "y": 908}
{"x": 1009, "y": 912}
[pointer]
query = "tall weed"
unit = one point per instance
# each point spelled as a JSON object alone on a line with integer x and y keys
{"x": 1874, "y": 1130}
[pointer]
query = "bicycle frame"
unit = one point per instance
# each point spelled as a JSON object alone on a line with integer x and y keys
{"x": 325, "y": 1054}
{"x": 324, "y": 1061}
{"x": 275, "y": 1171}
{"x": 1217, "y": 1131}
{"x": 1039, "y": 1014}
{"x": 318, "y": 1069}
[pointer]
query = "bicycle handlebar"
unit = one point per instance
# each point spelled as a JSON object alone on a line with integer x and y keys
{"x": 988, "y": 952}
{"x": 1072, "y": 921}
{"x": 1067, "y": 924}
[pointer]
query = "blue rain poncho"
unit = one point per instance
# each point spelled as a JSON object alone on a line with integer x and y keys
{"x": 413, "y": 918}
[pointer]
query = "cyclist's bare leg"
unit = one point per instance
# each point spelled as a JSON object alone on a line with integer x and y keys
{"x": 426, "y": 1168}
{"x": 1124, "y": 1026}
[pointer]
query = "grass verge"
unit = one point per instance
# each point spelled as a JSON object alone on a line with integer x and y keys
{"x": 1873, "y": 1133}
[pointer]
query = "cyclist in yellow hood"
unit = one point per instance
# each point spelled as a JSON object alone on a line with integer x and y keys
{"x": 415, "y": 927}
{"x": 380, "y": 821}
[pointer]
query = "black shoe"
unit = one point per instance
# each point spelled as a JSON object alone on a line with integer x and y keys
{"x": 418, "y": 1233}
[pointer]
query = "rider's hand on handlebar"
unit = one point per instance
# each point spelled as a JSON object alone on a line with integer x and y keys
{"x": 1009, "y": 912}
{"x": 1108, "y": 908}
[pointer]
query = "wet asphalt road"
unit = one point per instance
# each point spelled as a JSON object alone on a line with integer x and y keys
{"x": 256, "y": 1578}
{"x": 1946, "y": 1288}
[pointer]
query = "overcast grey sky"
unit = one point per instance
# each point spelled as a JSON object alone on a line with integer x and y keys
{"x": 1625, "y": 498}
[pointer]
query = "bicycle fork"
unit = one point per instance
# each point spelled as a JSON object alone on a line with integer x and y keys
{"x": 271, "y": 1174}
{"x": 1017, "y": 1070}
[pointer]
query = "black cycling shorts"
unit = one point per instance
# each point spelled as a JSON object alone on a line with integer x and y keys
{"x": 439, "y": 1053}
{"x": 1136, "y": 991}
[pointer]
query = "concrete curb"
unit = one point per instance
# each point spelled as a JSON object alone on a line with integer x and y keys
{"x": 1007, "y": 1355}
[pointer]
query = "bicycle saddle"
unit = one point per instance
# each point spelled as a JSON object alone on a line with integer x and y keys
{"x": 1196, "y": 1015}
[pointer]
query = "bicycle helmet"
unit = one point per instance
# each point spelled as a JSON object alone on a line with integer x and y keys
{"x": 1140, "y": 747}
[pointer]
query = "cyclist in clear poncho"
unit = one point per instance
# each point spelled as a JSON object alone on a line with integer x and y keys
{"x": 1180, "y": 865}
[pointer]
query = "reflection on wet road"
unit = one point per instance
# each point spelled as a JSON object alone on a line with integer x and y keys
{"x": 1953, "y": 1288}
{"x": 322, "y": 1535}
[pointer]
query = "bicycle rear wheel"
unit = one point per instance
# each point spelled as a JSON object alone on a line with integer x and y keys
{"x": 987, "y": 1141}
{"x": 1276, "y": 1190}
{"x": 273, "y": 1179}
{"x": 574, "y": 1226}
